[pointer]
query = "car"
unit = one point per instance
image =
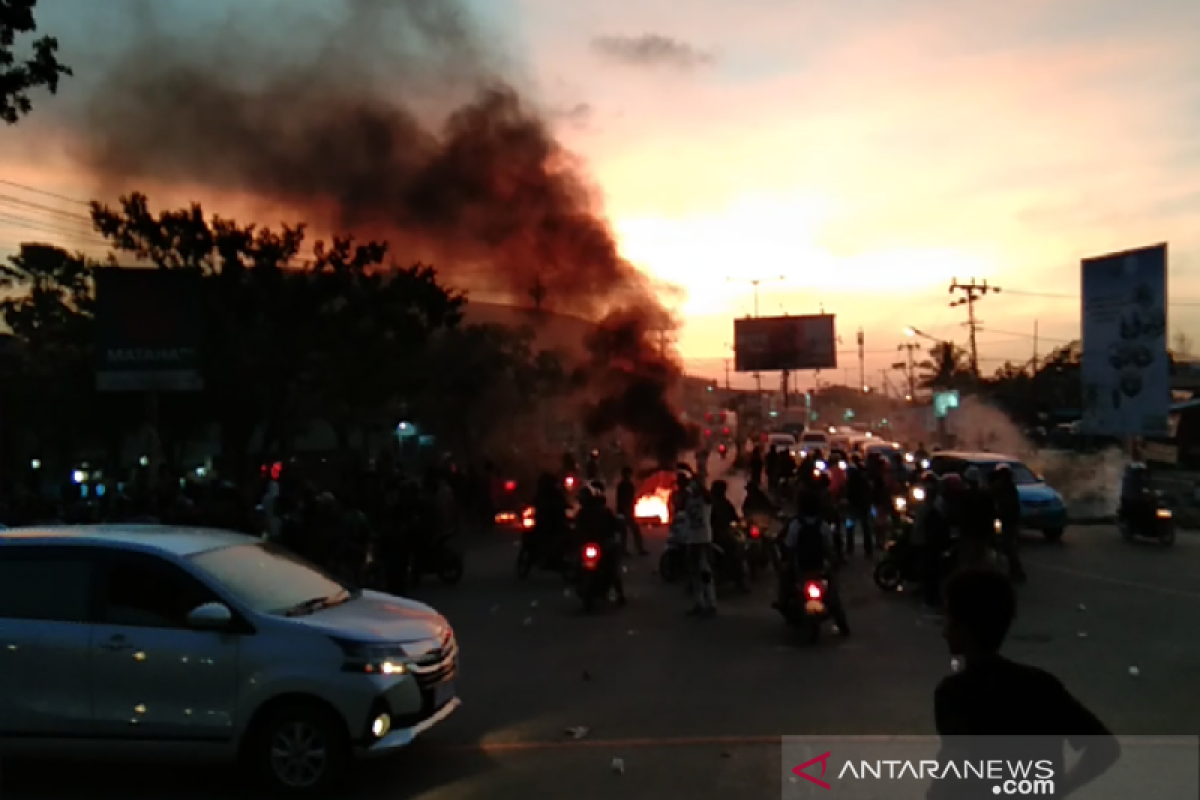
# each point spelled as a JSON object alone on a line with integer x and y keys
{"x": 1042, "y": 508}
{"x": 132, "y": 641}
{"x": 814, "y": 440}
{"x": 782, "y": 441}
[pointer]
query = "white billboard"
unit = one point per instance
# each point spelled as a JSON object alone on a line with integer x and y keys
{"x": 1126, "y": 369}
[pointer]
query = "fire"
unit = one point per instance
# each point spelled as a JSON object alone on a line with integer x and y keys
{"x": 655, "y": 506}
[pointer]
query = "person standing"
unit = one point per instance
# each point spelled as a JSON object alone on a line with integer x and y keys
{"x": 698, "y": 532}
{"x": 626, "y": 506}
{"x": 1008, "y": 511}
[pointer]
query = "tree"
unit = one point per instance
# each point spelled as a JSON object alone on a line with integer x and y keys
{"x": 947, "y": 367}
{"x": 290, "y": 339}
{"x": 48, "y": 308}
{"x": 18, "y": 78}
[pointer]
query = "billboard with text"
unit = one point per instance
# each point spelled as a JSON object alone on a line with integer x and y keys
{"x": 149, "y": 325}
{"x": 775, "y": 344}
{"x": 1125, "y": 366}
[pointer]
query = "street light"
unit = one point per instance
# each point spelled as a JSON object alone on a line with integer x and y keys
{"x": 910, "y": 332}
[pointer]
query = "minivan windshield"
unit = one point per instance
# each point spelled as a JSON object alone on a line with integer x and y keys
{"x": 267, "y": 578}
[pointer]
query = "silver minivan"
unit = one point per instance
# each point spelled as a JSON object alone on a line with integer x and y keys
{"x": 152, "y": 641}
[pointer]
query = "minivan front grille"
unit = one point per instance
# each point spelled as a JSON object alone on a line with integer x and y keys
{"x": 437, "y": 665}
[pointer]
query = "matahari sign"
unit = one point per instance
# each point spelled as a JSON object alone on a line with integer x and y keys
{"x": 150, "y": 327}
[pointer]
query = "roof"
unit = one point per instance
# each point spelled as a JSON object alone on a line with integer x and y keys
{"x": 978, "y": 458}
{"x": 176, "y": 540}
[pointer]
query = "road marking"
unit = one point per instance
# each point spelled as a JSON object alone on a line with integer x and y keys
{"x": 746, "y": 741}
{"x": 1117, "y": 581}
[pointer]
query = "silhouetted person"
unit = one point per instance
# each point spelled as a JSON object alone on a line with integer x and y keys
{"x": 626, "y": 505}
{"x": 994, "y": 697}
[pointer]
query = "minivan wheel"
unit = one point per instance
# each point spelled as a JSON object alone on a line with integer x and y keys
{"x": 300, "y": 749}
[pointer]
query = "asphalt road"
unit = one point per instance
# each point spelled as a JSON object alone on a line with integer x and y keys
{"x": 693, "y": 708}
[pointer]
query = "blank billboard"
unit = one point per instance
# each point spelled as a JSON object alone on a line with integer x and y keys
{"x": 774, "y": 344}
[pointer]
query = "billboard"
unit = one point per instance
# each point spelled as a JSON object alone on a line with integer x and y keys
{"x": 149, "y": 328}
{"x": 773, "y": 344}
{"x": 1126, "y": 370}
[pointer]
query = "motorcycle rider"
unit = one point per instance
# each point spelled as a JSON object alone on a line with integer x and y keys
{"x": 597, "y": 523}
{"x": 722, "y": 517}
{"x": 1008, "y": 511}
{"x": 757, "y": 508}
{"x": 808, "y": 547}
{"x": 881, "y": 497}
{"x": 1136, "y": 508}
{"x": 626, "y": 506}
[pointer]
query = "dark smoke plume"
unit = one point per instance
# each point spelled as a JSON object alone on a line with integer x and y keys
{"x": 340, "y": 138}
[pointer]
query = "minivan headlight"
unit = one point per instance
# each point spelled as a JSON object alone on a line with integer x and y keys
{"x": 382, "y": 659}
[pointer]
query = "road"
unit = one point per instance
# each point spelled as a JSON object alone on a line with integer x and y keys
{"x": 693, "y": 707}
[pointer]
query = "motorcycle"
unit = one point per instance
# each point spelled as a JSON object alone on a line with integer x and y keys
{"x": 593, "y": 582}
{"x": 440, "y": 558}
{"x": 546, "y": 559}
{"x": 812, "y": 606}
{"x": 757, "y": 550}
{"x": 1160, "y": 526}
{"x": 899, "y": 563}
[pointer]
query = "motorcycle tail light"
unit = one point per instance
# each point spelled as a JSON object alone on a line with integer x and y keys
{"x": 813, "y": 591}
{"x": 591, "y": 554}
{"x": 755, "y": 532}
{"x": 570, "y": 482}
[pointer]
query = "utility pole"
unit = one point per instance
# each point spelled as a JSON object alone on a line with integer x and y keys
{"x": 537, "y": 293}
{"x": 727, "y": 386}
{"x": 971, "y": 294}
{"x": 862, "y": 360}
{"x": 908, "y": 366}
{"x": 1035, "y": 347}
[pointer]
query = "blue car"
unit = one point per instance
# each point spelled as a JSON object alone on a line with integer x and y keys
{"x": 1042, "y": 508}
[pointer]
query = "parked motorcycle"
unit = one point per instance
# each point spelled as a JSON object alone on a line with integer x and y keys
{"x": 440, "y": 558}
{"x": 1156, "y": 522}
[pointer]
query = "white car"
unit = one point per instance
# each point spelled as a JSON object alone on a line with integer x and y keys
{"x": 814, "y": 440}
{"x": 153, "y": 641}
{"x": 782, "y": 441}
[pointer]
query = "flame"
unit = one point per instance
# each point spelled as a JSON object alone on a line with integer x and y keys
{"x": 655, "y": 506}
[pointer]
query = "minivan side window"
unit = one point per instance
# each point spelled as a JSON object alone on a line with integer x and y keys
{"x": 145, "y": 591}
{"x": 45, "y": 588}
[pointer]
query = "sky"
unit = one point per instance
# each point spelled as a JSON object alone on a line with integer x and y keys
{"x": 854, "y": 157}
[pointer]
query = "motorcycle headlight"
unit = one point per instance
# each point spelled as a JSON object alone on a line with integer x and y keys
{"x": 925, "y": 463}
{"x": 1163, "y": 513}
{"x": 820, "y": 465}
{"x": 918, "y": 494}
{"x": 901, "y": 504}
{"x": 996, "y": 525}
{"x": 909, "y": 457}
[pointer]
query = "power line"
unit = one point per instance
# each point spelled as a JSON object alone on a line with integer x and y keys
{"x": 43, "y": 192}
{"x": 1056, "y": 296}
{"x": 972, "y": 293}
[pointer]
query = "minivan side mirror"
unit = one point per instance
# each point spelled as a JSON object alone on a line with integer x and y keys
{"x": 210, "y": 617}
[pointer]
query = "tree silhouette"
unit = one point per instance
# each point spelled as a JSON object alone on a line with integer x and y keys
{"x": 947, "y": 367}
{"x": 19, "y": 77}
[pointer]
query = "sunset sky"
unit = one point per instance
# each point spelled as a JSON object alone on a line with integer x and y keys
{"x": 868, "y": 150}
